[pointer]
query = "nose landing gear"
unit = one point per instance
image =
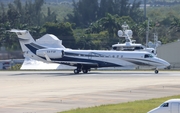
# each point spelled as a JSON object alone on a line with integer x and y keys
{"x": 156, "y": 71}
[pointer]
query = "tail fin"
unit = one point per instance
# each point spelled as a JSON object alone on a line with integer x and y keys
{"x": 24, "y": 38}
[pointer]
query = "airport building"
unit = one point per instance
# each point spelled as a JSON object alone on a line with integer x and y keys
{"x": 8, "y": 59}
{"x": 171, "y": 53}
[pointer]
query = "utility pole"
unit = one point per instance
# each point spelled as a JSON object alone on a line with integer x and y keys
{"x": 145, "y": 9}
{"x": 147, "y": 28}
{"x": 147, "y": 33}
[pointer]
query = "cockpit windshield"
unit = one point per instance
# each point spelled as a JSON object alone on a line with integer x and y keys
{"x": 148, "y": 56}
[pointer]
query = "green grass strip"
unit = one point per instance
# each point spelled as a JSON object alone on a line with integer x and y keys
{"x": 142, "y": 106}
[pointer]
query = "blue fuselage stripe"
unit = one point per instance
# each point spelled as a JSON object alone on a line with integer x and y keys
{"x": 99, "y": 63}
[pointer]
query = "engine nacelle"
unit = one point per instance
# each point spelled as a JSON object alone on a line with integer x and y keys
{"x": 51, "y": 53}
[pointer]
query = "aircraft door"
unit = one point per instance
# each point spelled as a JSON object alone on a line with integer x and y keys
{"x": 175, "y": 107}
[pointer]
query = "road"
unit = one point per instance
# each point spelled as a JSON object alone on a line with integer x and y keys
{"x": 55, "y": 91}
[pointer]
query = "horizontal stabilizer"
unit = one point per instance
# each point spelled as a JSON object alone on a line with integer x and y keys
{"x": 18, "y": 31}
{"x": 23, "y": 34}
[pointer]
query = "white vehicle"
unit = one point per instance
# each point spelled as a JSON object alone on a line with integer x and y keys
{"x": 129, "y": 44}
{"x": 170, "y": 106}
{"x": 84, "y": 60}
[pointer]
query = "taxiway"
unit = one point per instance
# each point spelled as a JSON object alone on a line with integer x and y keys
{"x": 55, "y": 91}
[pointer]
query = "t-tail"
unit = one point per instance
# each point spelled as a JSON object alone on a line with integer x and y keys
{"x": 24, "y": 38}
{"x": 28, "y": 44}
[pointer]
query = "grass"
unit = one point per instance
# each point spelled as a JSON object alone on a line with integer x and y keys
{"x": 142, "y": 106}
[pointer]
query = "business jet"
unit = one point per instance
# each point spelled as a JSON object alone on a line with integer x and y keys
{"x": 84, "y": 60}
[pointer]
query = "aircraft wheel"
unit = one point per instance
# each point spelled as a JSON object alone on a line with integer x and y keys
{"x": 76, "y": 71}
{"x": 156, "y": 71}
{"x": 85, "y": 71}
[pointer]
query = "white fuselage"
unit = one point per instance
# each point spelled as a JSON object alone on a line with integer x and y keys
{"x": 101, "y": 58}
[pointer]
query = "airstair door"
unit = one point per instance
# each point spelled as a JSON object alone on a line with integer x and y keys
{"x": 175, "y": 107}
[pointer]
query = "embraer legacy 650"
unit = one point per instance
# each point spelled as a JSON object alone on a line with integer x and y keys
{"x": 84, "y": 60}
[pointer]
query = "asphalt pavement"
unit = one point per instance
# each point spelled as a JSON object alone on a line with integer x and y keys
{"x": 55, "y": 91}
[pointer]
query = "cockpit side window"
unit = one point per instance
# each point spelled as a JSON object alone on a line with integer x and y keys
{"x": 165, "y": 105}
{"x": 148, "y": 56}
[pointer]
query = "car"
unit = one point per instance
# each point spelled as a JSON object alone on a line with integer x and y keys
{"x": 169, "y": 106}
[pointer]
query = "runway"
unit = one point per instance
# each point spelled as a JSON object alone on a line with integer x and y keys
{"x": 55, "y": 91}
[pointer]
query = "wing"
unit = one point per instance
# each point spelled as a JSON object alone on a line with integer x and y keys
{"x": 84, "y": 64}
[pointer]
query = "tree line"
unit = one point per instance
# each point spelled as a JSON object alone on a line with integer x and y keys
{"x": 87, "y": 11}
{"x": 93, "y": 24}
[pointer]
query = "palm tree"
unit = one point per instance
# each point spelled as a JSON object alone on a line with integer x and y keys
{"x": 175, "y": 24}
{"x": 109, "y": 23}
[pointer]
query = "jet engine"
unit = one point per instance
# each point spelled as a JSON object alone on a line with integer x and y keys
{"x": 51, "y": 53}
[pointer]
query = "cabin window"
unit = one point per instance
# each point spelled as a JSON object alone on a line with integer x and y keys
{"x": 165, "y": 105}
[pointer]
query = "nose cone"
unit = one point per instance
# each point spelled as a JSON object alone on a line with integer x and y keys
{"x": 164, "y": 64}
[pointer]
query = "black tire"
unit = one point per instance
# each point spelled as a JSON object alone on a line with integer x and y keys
{"x": 85, "y": 71}
{"x": 76, "y": 71}
{"x": 156, "y": 71}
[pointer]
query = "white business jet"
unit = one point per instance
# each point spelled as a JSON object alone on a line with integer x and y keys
{"x": 84, "y": 60}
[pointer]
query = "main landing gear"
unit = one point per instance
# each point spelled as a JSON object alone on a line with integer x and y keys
{"x": 77, "y": 71}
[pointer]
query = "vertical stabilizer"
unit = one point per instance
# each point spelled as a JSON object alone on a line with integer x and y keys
{"x": 24, "y": 38}
{"x": 28, "y": 45}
